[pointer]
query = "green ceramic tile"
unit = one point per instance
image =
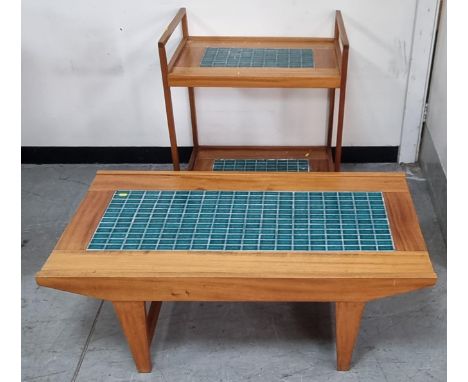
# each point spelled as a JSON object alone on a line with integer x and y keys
{"x": 244, "y": 221}
{"x": 253, "y": 57}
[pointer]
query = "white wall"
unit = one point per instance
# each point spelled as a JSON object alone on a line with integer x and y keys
{"x": 91, "y": 73}
{"x": 436, "y": 120}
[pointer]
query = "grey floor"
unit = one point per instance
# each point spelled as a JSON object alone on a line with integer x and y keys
{"x": 67, "y": 337}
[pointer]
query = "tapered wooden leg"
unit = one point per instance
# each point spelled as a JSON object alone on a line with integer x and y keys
{"x": 152, "y": 320}
{"x": 348, "y": 318}
{"x": 132, "y": 317}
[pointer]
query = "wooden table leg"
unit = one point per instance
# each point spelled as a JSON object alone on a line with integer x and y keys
{"x": 348, "y": 318}
{"x": 152, "y": 320}
{"x": 132, "y": 317}
{"x": 169, "y": 110}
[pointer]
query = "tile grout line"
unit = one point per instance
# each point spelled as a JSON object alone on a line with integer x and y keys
{"x": 88, "y": 340}
{"x": 290, "y": 165}
{"x": 232, "y": 57}
{"x": 326, "y": 217}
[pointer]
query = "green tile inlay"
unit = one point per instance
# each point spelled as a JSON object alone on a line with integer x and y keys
{"x": 276, "y": 165}
{"x": 244, "y": 221}
{"x": 258, "y": 58}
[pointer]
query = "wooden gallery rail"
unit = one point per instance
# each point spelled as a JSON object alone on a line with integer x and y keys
{"x": 329, "y": 70}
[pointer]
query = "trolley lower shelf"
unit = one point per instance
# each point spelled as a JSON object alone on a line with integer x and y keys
{"x": 203, "y": 157}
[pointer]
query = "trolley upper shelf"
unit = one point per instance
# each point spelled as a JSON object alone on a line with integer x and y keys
{"x": 185, "y": 69}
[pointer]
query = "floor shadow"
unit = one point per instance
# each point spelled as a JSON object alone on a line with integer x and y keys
{"x": 314, "y": 319}
{"x": 239, "y": 322}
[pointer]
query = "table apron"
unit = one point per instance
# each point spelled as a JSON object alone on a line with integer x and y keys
{"x": 235, "y": 289}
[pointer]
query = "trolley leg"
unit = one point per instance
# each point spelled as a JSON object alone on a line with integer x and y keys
{"x": 348, "y": 318}
{"x": 331, "y": 112}
{"x": 171, "y": 127}
{"x": 193, "y": 117}
{"x": 169, "y": 109}
{"x": 341, "y": 107}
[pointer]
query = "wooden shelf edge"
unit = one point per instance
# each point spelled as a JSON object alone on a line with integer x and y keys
{"x": 396, "y": 174}
{"x": 261, "y": 38}
{"x": 177, "y": 80}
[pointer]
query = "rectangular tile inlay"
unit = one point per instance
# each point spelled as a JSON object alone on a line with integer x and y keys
{"x": 258, "y": 58}
{"x": 244, "y": 221}
{"x": 276, "y": 165}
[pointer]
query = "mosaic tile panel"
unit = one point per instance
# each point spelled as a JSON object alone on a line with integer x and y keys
{"x": 257, "y": 58}
{"x": 276, "y": 165}
{"x": 244, "y": 221}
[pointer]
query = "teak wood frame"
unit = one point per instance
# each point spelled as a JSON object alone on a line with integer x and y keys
{"x": 254, "y": 77}
{"x": 131, "y": 278}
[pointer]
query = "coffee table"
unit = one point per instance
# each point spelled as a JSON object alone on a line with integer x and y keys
{"x": 145, "y": 236}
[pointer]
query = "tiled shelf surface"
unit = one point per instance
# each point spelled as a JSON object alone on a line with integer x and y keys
{"x": 277, "y": 165}
{"x": 244, "y": 221}
{"x": 257, "y": 58}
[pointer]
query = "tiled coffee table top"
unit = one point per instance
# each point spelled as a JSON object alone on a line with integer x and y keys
{"x": 244, "y": 221}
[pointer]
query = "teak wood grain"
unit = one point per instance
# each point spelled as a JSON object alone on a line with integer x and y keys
{"x": 132, "y": 317}
{"x": 235, "y": 289}
{"x": 348, "y": 319}
{"x": 128, "y": 279}
{"x": 168, "y": 180}
{"x": 235, "y": 276}
{"x": 160, "y": 264}
{"x": 169, "y": 108}
{"x": 178, "y": 18}
{"x": 70, "y": 260}
{"x": 403, "y": 221}
{"x": 83, "y": 224}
